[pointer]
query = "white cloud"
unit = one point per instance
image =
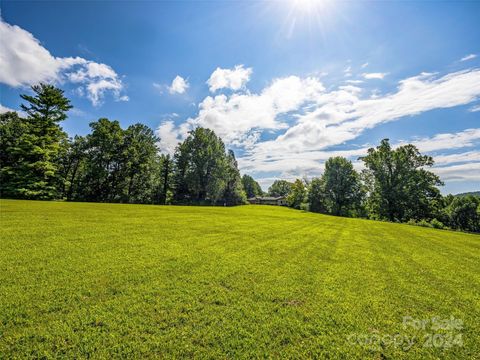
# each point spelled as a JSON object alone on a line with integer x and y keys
{"x": 234, "y": 79}
{"x": 376, "y": 75}
{"x": 342, "y": 115}
{"x": 303, "y": 120}
{"x": 356, "y": 82}
{"x": 462, "y": 172}
{"x": 97, "y": 89}
{"x": 311, "y": 163}
{"x": 24, "y": 61}
{"x": 347, "y": 72}
{"x": 474, "y": 108}
{"x": 462, "y": 139}
{"x": 239, "y": 118}
{"x": 170, "y": 135}
{"x": 4, "y": 109}
{"x": 464, "y": 157}
{"x": 364, "y": 65}
{"x": 179, "y": 85}
{"x": 468, "y": 57}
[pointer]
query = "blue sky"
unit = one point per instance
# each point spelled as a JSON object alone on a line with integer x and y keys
{"x": 286, "y": 84}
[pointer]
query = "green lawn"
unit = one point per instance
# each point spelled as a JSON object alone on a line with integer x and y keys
{"x": 139, "y": 281}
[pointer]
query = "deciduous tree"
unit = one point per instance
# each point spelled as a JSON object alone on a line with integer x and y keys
{"x": 280, "y": 188}
{"x": 251, "y": 187}
{"x": 234, "y": 193}
{"x": 297, "y": 195}
{"x": 341, "y": 186}
{"x": 401, "y": 188}
{"x": 316, "y": 196}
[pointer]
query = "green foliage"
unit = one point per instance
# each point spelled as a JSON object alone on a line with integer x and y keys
{"x": 234, "y": 192}
{"x": 297, "y": 194}
{"x": 204, "y": 173}
{"x": 434, "y": 223}
{"x": 437, "y": 224}
{"x": 463, "y": 213}
{"x": 103, "y": 175}
{"x": 46, "y": 108}
{"x": 72, "y": 167}
{"x": 251, "y": 187}
{"x": 165, "y": 183}
{"x": 473, "y": 193}
{"x": 140, "y": 163}
{"x": 112, "y": 164}
{"x": 12, "y": 133}
{"x": 400, "y": 188}
{"x": 34, "y": 145}
{"x": 280, "y": 188}
{"x": 343, "y": 192}
{"x": 316, "y": 196}
{"x": 113, "y": 281}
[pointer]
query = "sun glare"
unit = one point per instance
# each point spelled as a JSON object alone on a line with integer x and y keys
{"x": 310, "y": 6}
{"x": 313, "y": 15}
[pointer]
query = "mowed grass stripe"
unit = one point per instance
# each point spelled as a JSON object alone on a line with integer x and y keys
{"x": 137, "y": 281}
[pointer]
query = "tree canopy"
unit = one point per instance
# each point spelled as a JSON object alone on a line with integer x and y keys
{"x": 251, "y": 187}
{"x": 342, "y": 187}
{"x": 34, "y": 145}
{"x": 400, "y": 186}
{"x": 115, "y": 164}
{"x": 280, "y": 188}
{"x": 297, "y": 195}
{"x": 205, "y": 173}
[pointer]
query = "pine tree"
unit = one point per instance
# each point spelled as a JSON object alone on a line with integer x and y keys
{"x": 38, "y": 146}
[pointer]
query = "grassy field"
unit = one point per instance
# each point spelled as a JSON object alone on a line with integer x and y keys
{"x": 136, "y": 281}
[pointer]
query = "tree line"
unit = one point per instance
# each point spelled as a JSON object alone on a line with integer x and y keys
{"x": 394, "y": 186}
{"x": 112, "y": 164}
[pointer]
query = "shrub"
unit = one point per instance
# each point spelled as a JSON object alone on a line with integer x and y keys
{"x": 424, "y": 223}
{"x": 305, "y": 206}
{"x": 436, "y": 224}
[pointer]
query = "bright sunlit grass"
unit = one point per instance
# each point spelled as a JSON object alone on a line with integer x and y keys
{"x": 123, "y": 281}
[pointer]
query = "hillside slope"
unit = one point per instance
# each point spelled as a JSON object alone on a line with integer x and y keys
{"x": 108, "y": 280}
{"x": 474, "y": 193}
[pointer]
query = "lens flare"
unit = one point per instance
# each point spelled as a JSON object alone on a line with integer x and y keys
{"x": 312, "y": 14}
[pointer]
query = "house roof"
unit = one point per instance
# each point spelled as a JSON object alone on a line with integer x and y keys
{"x": 268, "y": 198}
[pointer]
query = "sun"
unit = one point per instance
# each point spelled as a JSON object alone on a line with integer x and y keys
{"x": 314, "y": 15}
{"x": 310, "y": 7}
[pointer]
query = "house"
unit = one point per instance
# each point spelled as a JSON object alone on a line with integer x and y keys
{"x": 268, "y": 200}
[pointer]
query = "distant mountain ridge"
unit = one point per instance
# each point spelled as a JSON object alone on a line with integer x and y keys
{"x": 474, "y": 193}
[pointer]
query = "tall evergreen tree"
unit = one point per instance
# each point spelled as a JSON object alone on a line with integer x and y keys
{"x": 38, "y": 146}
